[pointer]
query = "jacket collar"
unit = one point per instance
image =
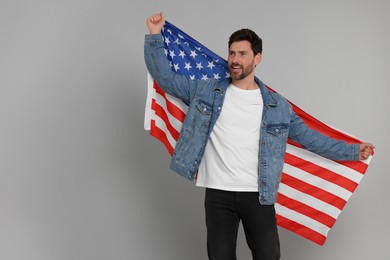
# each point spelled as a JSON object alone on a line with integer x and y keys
{"x": 268, "y": 96}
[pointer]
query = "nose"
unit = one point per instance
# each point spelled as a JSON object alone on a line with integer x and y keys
{"x": 234, "y": 59}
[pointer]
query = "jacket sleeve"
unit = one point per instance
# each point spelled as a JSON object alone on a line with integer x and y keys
{"x": 321, "y": 144}
{"x": 160, "y": 69}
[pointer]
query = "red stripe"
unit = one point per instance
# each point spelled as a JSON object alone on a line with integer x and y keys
{"x": 160, "y": 112}
{"x": 306, "y": 210}
{"x": 355, "y": 165}
{"x": 172, "y": 108}
{"x": 319, "y": 126}
{"x": 156, "y": 132}
{"x": 320, "y": 172}
{"x": 300, "y": 230}
{"x": 313, "y": 191}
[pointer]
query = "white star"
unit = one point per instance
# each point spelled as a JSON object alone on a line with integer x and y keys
{"x": 167, "y": 40}
{"x": 188, "y": 66}
{"x": 204, "y": 77}
{"x": 216, "y": 76}
{"x": 199, "y": 66}
{"x": 182, "y": 54}
{"x": 180, "y": 36}
{"x": 198, "y": 48}
{"x": 177, "y": 41}
{"x": 227, "y": 75}
{"x": 166, "y": 52}
{"x": 193, "y": 54}
{"x": 186, "y": 43}
{"x": 170, "y": 64}
{"x": 172, "y": 54}
{"x": 176, "y": 67}
{"x": 192, "y": 77}
{"x": 169, "y": 30}
{"x": 211, "y": 65}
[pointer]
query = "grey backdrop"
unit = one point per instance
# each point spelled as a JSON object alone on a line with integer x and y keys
{"x": 81, "y": 179}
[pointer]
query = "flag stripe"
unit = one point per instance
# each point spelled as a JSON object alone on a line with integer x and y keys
{"x": 171, "y": 107}
{"x": 321, "y": 172}
{"x": 306, "y": 210}
{"x": 316, "y": 181}
{"x": 161, "y": 135}
{"x": 358, "y": 166}
{"x": 163, "y": 127}
{"x": 160, "y": 112}
{"x": 302, "y": 219}
{"x": 176, "y": 124}
{"x": 326, "y": 163}
{"x": 309, "y": 200}
{"x": 321, "y": 127}
{"x": 300, "y": 229}
{"x": 313, "y": 191}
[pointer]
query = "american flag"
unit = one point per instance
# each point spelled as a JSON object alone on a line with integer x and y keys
{"x": 313, "y": 190}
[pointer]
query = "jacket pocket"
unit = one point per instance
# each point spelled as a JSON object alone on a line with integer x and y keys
{"x": 204, "y": 107}
{"x": 203, "y": 114}
{"x": 277, "y": 135}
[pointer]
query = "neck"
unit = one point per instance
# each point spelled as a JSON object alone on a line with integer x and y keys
{"x": 248, "y": 83}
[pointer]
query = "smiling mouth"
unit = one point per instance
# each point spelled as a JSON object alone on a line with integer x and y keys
{"x": 235, "y": 67}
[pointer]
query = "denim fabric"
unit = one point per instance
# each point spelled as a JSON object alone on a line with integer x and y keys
{"x": 205, "y": 99}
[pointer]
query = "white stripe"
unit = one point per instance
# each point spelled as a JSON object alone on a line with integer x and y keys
{"x": 367, "y": 161}
{"x": 302, "y": 219}
{"x": 341, "y": 131}
{"x": 309, "y": 200}
{"x": 173, "y": 120}
{"x": 148, "y": 106}
{"x": 161, "y": 124}
{"x": 325, "y": 163}
{"x": 152, "y": 94}
{"x": 177, "y": 102}
{"x": 316, "y": 181}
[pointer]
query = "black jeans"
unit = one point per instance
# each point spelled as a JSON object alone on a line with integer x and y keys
{"x": 224, "y": 210}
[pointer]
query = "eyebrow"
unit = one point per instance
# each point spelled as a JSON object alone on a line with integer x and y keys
{"x": 241, "y": 52}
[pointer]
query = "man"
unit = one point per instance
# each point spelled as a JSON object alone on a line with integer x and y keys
{"x": 234, "y": 140}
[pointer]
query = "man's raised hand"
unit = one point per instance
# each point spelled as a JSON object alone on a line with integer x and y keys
{"x": 155, "y": 23}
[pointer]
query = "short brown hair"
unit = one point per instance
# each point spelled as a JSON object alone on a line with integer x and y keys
{"x": 250, "y": 36}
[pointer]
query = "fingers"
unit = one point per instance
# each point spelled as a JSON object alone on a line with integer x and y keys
{"x": 155, "y": 23}
{"x": 369, "y": 148}
{"x": 366, "y": 150}
{"x": 364, "y": 155}
{"x": 156, "y": 18}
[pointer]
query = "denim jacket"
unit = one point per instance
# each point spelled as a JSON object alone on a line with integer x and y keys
{"x": 205, "y": 99}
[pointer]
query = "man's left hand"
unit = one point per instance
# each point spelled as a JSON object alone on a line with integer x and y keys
{"x": 366, "y": 150}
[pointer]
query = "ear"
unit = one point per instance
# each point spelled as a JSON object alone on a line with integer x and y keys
{"x": 257, "y": 58}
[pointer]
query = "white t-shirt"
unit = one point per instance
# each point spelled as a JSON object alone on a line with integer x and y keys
{"x": 230, "y": 161}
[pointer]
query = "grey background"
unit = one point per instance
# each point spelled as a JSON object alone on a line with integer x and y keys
{"x": 81, "y": 179}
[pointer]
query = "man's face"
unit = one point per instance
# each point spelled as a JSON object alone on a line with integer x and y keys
{"x": 241, "y": 60}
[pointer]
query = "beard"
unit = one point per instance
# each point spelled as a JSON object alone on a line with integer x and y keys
{"x": 239, "y": 75}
